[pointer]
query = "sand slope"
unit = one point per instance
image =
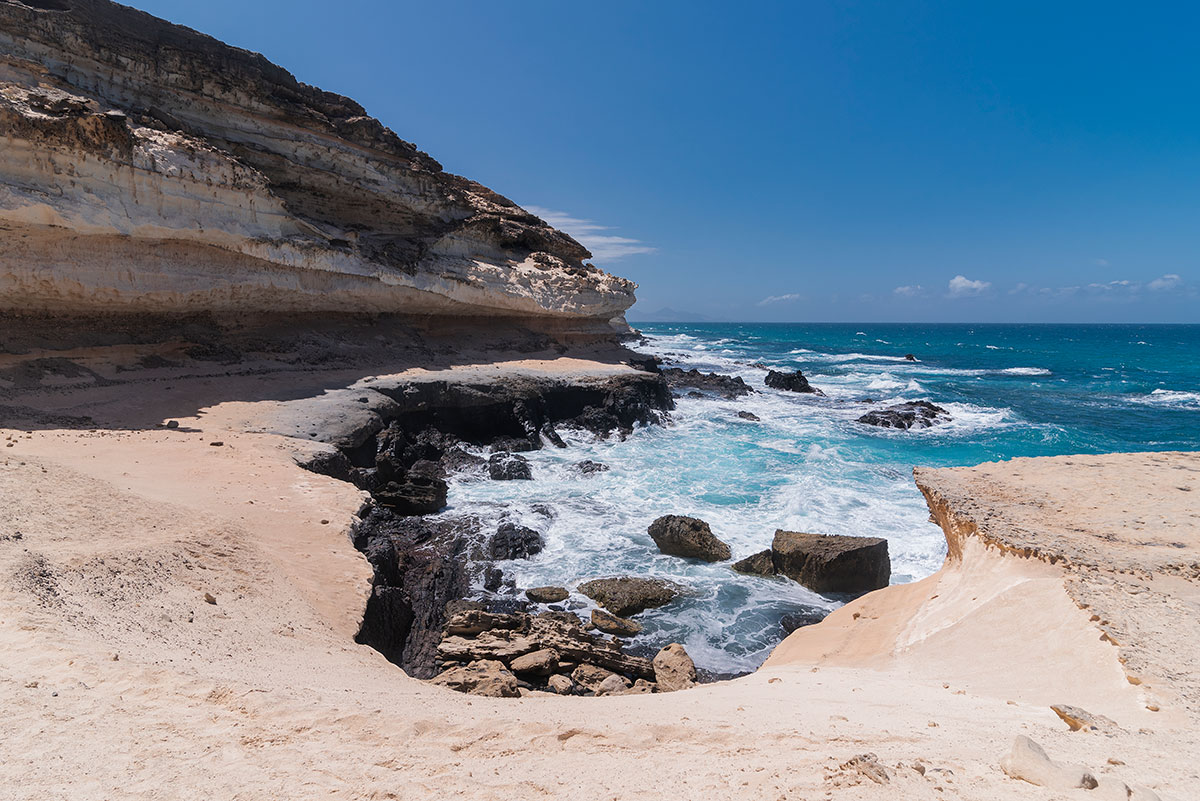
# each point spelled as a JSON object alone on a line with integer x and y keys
{"x": 264, "y": 695}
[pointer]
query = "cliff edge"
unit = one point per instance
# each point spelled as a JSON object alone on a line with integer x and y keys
{"x": 148, "y": 168}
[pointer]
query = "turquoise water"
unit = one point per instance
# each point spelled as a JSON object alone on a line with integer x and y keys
{"x": 1012, "y": 390}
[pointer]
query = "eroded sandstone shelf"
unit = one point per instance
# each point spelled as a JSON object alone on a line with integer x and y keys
{"x": 145, "y": 167}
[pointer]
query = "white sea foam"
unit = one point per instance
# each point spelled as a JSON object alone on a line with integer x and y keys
{"x": 1025, "y": 371}
{"x": 1169, "y": 397}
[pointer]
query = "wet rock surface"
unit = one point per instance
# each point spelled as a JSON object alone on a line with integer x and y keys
{"x": 723, "y": 386}
{"x": 629, "y": 596}
{"x": 832, "y": 563}
{"x": 689, "y": 537}
{"x": 914, "y": 414}
{"x": 412, "y": 437}
{"x": 512, "y": 541}
{"x": 506, "y": 466}
{"x": 791, "y": 382}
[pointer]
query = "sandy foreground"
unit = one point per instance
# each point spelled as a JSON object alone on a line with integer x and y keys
{"x": 1073, "y": 580}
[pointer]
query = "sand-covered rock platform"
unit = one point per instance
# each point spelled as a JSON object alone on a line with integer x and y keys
{"x": 177, "y": 620}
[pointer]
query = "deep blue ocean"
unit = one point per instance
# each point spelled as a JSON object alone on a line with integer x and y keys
{"x": 1011, "y": 390}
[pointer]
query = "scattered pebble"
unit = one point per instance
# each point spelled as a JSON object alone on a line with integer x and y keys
{"x": 209, "y": 599}
{"x": 216, "y": 444}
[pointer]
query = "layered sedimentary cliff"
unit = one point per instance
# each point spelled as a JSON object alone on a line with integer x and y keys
{"x": 145, "y": 167}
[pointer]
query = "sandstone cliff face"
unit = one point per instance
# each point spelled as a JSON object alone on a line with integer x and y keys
{"x": 145, "y": 167}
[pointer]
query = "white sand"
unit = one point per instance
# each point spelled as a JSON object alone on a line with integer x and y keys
{"x": 118, "y": 680}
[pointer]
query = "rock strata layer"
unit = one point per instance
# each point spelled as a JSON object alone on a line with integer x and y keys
{"x": 147, "y": 168}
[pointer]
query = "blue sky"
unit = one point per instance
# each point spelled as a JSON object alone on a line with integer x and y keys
{"x": 889, "y": 161}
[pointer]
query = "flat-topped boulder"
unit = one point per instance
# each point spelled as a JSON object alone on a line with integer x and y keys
{"x": 627, "y": 596}
{"x": 832, "y": 562}
{"x": 690, "y": 537}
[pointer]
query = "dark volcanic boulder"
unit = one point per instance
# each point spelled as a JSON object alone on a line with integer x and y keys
{"x": 759, "y": 564}
{"x": 413, "y": 494}
{"x": 689, "y": 537}
{"x": 514, "y": 542}
{"x": 509, "y": 467}
{"x": 791, "y": 382}
{"x": 914, "y": 414}
{"x": 587, "y": 467}
{"x": 832, "y": 562}
{"x": 725, "y": 386}
{"x": 797, "y": 620}
{"x": 628, "y": 596}
{"x": 751, "y": 416}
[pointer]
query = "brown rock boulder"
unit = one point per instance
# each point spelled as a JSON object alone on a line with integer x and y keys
{"x": 832, "y": 562}
{"x": 483, "y": 677}
{"x": 542, "y": 662}
{"x": 759, "y": 564}
{"x": 547, "y": 595}
{"x": 628, "y": 596}
{"x": 590, "y": 677}
{"x": 613, "y": 685}
{"x": 674, "y": 669}
{"x": 689, "y": 537}
{"x": 617, "y": 626}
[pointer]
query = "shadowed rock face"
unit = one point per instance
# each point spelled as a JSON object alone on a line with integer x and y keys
{"x": 145, "y": 167}
{"x": 832, "y": 562}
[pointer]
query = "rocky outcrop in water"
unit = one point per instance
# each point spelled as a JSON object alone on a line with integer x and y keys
{"x": 913, "y": 414}
{"x": 412, "y": 432}
{"x": 791, "y": 382}
{"x": 688, "y": 537}
{"x": 723, "y": 386}
{"x": 823, "y": 562}
{"x": 147, "y": 168}
{"x": 629, "y": 596}
{"x": 832, "y": 562}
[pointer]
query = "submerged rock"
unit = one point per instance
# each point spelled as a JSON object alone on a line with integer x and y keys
{"x": 629, "y": 596}
{"x": 674, "y": 669}
{"x": 832, "y": 562}
{"x": 791, "y": 382}
{"x": 512, "y": 541}
{"x": 751, "y": 416}
{"x": 690, "y": 537}
{"x": 913, "y": 414}
{"x": 798, "y": 620}
{"x": 509, "y": 467}
{"x": 587, "y": 467}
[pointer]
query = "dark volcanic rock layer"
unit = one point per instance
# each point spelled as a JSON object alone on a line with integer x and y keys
{"x": 414, "y": 440}
{"x": 148, "y": 168}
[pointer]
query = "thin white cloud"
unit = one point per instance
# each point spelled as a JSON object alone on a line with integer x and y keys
{"x": 1101, "y": 262}
{"x": 961, "y": 287}
{"x": 908, "y": 291}
{"x": 1168, "y": 281}
{"x": 1111, "y": 286}
{"x": 604, "y": 247}
{"x": 780, "y": 299}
